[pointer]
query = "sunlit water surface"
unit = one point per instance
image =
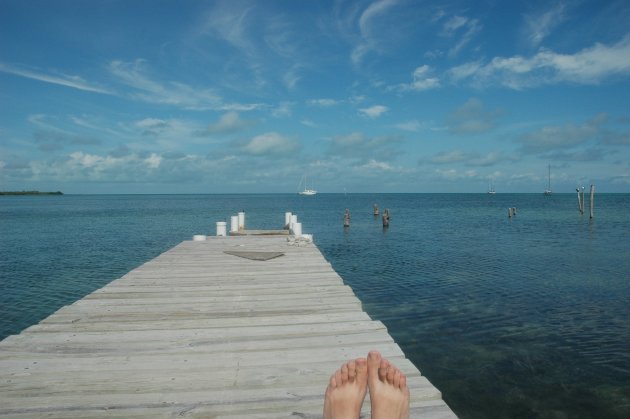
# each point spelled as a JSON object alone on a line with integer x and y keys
{"x": 523, "y": 317}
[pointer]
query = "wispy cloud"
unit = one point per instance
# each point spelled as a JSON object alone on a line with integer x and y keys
{"x": 74, "y": 82}
{"x": 368, "y": 35}
{"x": 540, "y": 25}
{"x": 589, "y": 66}
{"x": 230, "y": 21}
{"x": 463, "y": 30}
{"x": 134, "y": 75}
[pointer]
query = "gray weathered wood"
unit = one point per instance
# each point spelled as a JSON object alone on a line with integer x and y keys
{"x": 198, "y": 333}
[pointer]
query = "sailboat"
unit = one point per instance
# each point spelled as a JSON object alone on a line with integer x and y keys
{"x": 548, "y": 190}
{"x": 306, "y": 191}
{"x": 491, "y": 190}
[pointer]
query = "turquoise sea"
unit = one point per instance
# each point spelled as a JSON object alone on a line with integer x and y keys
{"x": 510, "y": 318}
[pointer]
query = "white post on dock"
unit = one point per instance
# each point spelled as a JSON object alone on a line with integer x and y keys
{"x": 241, "y": 220}
{"x": 297, "y": 230}
{"x": 287, "y": 220}
{"x": 234, "y": 224}
{"x": 293, "y": 221}
{"x": 221, "y": 228}
{"x": 199, "y": 238}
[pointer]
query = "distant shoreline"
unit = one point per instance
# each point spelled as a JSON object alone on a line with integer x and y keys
{"x": 30, "y": 193}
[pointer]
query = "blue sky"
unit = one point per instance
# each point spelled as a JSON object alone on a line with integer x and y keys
{"x": 360, "y": 96}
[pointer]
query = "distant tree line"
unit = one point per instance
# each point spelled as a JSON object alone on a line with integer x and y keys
{"x": 30, "y": 193}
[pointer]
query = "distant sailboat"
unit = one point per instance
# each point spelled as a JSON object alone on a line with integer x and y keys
{"x": 491, "y": 190}
{"x": 306, "y": 191}
{"x": 548, "y": 190}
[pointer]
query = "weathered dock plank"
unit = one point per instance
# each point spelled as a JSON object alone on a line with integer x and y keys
{"x": 196, "y": 332}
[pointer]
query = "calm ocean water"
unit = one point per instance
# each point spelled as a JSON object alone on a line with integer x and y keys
{"x": 524, "y": 317}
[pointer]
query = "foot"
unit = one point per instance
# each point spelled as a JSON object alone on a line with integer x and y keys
{"x": 388, "y": 389}
{"x": 346, "y": 391}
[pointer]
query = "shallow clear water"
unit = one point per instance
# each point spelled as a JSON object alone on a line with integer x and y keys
{"x": 522, "y": 317}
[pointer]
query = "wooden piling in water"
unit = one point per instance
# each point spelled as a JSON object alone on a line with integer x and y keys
{"x": 386, "y": 218}
{"x": 592, "y": 200}
{"x": 346, "y": 218}
{"x": 375, "y": 210}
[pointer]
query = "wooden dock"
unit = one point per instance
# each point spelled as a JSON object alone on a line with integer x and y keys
{"x": 200, "y": 333}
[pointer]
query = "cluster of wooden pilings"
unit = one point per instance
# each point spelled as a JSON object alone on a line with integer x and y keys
{"x": 580, "y": 194}
{"x": 511, "y": 212}
{"x": 385, "y": 218}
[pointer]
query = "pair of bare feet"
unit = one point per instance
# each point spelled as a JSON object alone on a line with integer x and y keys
{"x": 389, "y": 395}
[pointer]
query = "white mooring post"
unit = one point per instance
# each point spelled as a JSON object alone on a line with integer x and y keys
{"x": 234, "y": 224}
{"x": 221, "y": 228}
{"x": 241, "y": 220}
{"x": 297, "y": 230}
{"x": 287, "y": 220}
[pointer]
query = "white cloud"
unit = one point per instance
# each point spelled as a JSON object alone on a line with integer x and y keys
{"x": 453, "y": 24}
{"x": 373, "y": 111}
{"x": 377, "y": 165}
{"x": 151, "y": 124}
{"x": 228, "y": 123}
{"x": 422, "y": 80}
{"x": 589, "y": 66}
{"x": 324, "y": 103}
{"x": 270, "y": 143}
{"x": 153, "y": 161}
